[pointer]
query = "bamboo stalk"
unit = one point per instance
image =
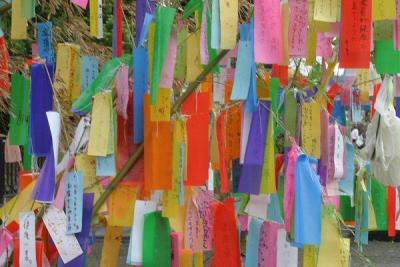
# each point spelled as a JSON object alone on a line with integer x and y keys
{"x": 175, "y": 109}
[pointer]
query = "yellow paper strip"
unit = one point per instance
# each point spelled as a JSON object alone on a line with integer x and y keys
{"x": 99, "y": 137}
{"x": 18, "y": 23}
{"x": 161, "y": 110}
{"x": 229, "y": 21}
{"x": 94, "y": 14}
{"x": 326, "y": 10}
{"x": 67, "y": 77}
{"x": 309, "y": 256}
{"x": 151, "y": 34}
{"x": 268, "y": 181}
{"x": 186, "y": 258}
{"x": 193, "y": 57}
{"x": 111, "y": 246}
{"x": 383, "y": 9}
{"x": 311, "y": 130}
{"x": 121, "y": 206}
{"x": 171, "y": 198}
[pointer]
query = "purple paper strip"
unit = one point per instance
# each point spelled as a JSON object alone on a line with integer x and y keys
{"x": 322, "y": 172}
{"x": 143, "y": 6}
{"x": 46, "y": 183}
{"x": 83, "y": 236}
{"x": 41, "y": 101}
{"x": 250, "y": 178}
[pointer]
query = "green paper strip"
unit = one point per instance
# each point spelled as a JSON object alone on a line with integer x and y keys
{"x": 28, "y": 9}
{"x": 191, "y": 7}
{"x": 164, "y": 19}
{"x": 379, "y": 202}
{"x": 387, "y": 59}
{"x": 290, "y": 116}
{"x": 156, "y": 240}
{"x": 27, "y": 161}
{"x": 19, "y": 117}
{"x": 103, "y": 81}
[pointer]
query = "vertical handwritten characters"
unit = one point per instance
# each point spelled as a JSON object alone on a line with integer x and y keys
{"x": 325, "y": 10}
{"x": 74, "y": 202}
{"x": 310, "y": 129}
{"x": 27, "y": 239}
{"x": 4, "y": 78}
{"x": 56, "y": 224}
{"x": 355, "y": 37}
{"x": 268, "y": 47}
{"x": 194, "y": 234}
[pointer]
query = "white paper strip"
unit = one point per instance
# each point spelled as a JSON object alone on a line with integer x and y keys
{"x": 27, "y": 240}
{"x": 56, "y": 224}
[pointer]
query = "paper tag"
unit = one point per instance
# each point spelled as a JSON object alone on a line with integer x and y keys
{"x": 74, "y": 201}
{"x": 325, "y": 10}
{"x": 286, "y": 255}
{"x": 105, "y": 166}
{"x": 136, "y": 241}
{"x": 56, "y": 223}
{"x": 27, "y": 239}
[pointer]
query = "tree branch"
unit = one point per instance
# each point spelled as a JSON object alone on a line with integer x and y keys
{"x": 5, "y": 8}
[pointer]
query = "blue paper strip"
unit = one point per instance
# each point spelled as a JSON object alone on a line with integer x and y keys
{"x": 250, "y": 178}
{"x": 105, "y": 166}
{"x": 41, "y": 101}
{"x": 274, "y": 210}
{"x": 141, "y": 77}
{"x": 45, "y": 44}
{"x": 215, "y": 22}
{"x": 74, "y": 201}
{"x": 307, "y": 203}
{"x": 241, "y": 84}
{"x": 143, "y": 7}
{"x": 90, "y": 70}
{"x": 147, "y": 20}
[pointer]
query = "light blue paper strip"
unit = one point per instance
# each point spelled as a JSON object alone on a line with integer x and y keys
{"x": 243, "y": 70}
{"x": 90, "y": 70}
{"x": 105, "y": 166}
{"x": 74, "y": 201}
{"x": 273, "y": 210}
{"x": 347, "y": 185}
{"x": 215, "y": 22}
{"x": 1, "y": 33}
{"x": 147, "y": 20}
{"x": 253, "y": 240}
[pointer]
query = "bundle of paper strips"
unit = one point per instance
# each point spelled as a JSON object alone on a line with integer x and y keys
{"x": 219, "y": 132}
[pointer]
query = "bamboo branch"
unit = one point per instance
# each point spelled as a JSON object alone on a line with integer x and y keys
{"x": 175, "y": 109}
{"x": 5, "y": 8}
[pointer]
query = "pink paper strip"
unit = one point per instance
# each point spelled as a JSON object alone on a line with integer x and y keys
{"x": 268, "y": 45}
{"x": 288, "y": 199}
{"x": 122, "y": 91}
{"x": 5, "y": 239}
{"x": 59, "y": 200}
{"x": 167, "y": 76}
{"x": 12, "y": 153}
{"x": 203, "y": 36}
{"x": 298, "y": 22}
{"x": 81, "y": 3}
{"x": 268, "y": 243}
{"x": 324, "y": 45}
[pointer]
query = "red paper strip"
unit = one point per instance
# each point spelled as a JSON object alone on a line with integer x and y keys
{"x": 376, "y": 91}
{"x": 126, "y": 148}
{"x": 226, "y": 243}
{"x": 333, "y": 91}
{"x": 281, "y": 72}
{"x": 223, "y": 168}
{"x": 197, "y": 107}
{"x": 391, "y": 211}
{"x": 355, "y": 37}
{"x": 4, "y": 77}
{"x": 119, "y": 28}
